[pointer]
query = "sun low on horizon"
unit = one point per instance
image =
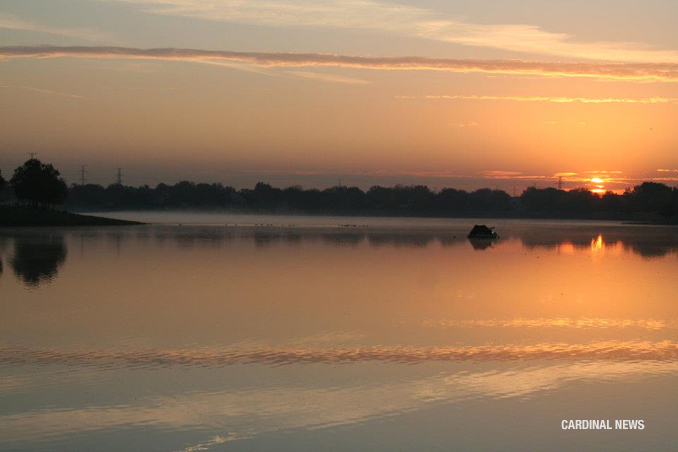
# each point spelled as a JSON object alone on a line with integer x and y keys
{"x": 338, "y": 225}
{"x": 297, "y": 92}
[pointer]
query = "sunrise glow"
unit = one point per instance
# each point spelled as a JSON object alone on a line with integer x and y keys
{"x": 375, "y": 92}
{"x": 366, "y": 225}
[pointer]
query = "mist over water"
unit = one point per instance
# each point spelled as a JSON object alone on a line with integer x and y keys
{"x": 226, "y": 332}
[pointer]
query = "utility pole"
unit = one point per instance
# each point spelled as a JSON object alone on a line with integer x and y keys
{"x": 119, "y": 181}
{"x": 82, "y": 174}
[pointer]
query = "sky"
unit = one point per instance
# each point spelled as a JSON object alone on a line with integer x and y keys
{"x": 448, "y": 93}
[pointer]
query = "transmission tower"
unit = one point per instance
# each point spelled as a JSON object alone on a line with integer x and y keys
{"x": 119, "y": 178}
{"x": 82, "y": 174}
{"x": 560, "y": 183}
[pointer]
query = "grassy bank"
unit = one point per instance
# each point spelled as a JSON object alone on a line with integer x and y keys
{"x": 19, "y": 216}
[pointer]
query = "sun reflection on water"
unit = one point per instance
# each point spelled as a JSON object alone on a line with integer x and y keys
{"x": 597, "y": 244}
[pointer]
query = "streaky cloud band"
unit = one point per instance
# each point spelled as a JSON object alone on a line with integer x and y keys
{"x": 664, "y": 72}
{"x": 557, "y": 100}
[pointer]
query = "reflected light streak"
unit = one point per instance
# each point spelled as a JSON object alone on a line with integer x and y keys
{"x": 581, "y": 323}
{"x": 246, "y": 413}
{"x": 597, "y": 244}
{"x": 614, "y": 350}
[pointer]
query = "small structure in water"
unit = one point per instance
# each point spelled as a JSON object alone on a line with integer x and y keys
{"x": 480, "y": 231}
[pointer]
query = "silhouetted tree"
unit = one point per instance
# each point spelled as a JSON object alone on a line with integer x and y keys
{"x": 651, "y": 196}
{"x": 3, "y": 184}
{"x": 451, "y": 200}
{"x": 612, "y": 202}
{"x": 486, "y": 200}
{"x": 90, "y": 194}
{"x": 39, "y": 184}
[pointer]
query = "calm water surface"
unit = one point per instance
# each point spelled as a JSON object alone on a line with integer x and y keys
{"x": 261, "y": 333}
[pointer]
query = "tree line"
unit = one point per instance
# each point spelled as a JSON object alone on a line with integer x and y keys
{"x": 649, "y": 200}
{"x": 41, "y": 185}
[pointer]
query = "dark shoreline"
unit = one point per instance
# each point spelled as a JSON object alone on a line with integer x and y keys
{"x": 20, "y": 216}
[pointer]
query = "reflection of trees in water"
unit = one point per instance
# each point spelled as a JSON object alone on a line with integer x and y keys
{"x": 645, "y": 242}
{"x": 375, "y": 239}
{"x": 3, "y": 247}
{"x": 651, "y": 249}
{"x": 37, "y": 260}
{"x": 399, "y": 240}
{"x": 37, "y": 255}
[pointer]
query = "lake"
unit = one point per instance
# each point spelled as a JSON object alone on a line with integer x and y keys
{"x": 270, "y": 333}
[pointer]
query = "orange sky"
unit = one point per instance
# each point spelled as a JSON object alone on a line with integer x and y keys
{"x": 442, "y": 93}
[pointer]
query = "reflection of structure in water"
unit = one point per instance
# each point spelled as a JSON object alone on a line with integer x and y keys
{"x": 480, "y": 244}
{"x": 647, "y": 243}
{"x": 37, "y": 259}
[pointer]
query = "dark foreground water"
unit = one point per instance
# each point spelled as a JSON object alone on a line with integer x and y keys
{"x": 293, "y": 334}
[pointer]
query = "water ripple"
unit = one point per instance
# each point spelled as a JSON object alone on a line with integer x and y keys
{"x": 208, "y": 357}
{"x": 563, "y": 322}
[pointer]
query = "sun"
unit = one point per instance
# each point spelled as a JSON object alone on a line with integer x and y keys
{"x": 599, "y": 188}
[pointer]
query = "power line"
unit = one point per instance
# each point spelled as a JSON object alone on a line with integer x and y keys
{"x": 82, "y": 174}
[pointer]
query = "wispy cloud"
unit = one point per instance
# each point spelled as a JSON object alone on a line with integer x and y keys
{"x": 42, "y": 91}
{"x": 268, "y": 71}
{"x": 13, "y": 22}
{"x": 332, "y": 78}
{"x": 558, "y": 100}
{"x": 499, "y": 173}
{"x": 665, "y": 179}
{"x": 605, "y": 172}
{"x": 606, "y": 71}
{"x": 464, "y": 125}
{"x": 403, "y": 20}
